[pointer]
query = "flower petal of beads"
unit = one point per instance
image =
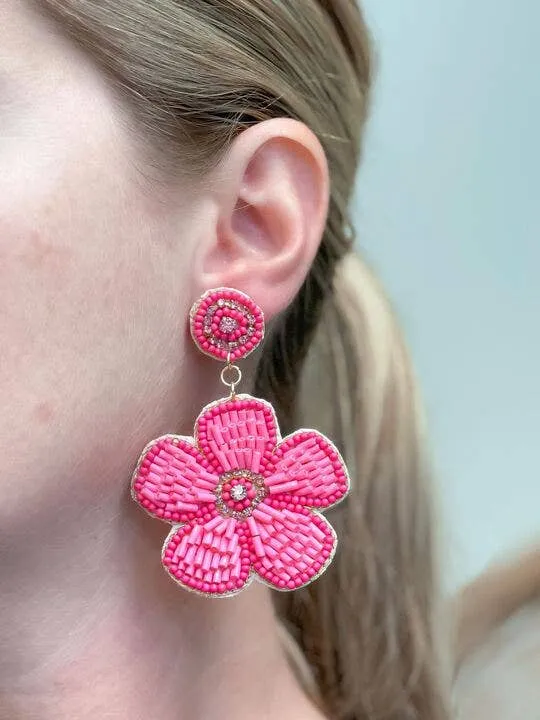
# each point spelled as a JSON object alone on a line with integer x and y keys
{"x": 173, "y": 480}
{"x": 306, "y": 468}
{"x": 289, "y": 548}
{"x": 237, "y": 434}
{"x": 210, "y": 558}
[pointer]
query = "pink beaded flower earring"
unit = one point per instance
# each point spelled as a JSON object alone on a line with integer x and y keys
{"x": 244, "y": 504}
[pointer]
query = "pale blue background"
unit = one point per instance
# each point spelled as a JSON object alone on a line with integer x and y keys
{"x": 448, "y": 210}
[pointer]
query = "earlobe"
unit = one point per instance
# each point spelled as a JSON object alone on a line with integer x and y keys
{"x": 272, "y": 190}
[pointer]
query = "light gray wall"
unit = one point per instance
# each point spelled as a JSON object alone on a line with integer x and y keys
{"x": 448, "y": 210}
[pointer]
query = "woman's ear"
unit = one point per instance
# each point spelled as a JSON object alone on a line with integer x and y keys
{"x": 271, "y": 195}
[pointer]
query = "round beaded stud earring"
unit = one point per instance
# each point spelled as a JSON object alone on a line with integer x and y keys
{"x": 244, "y": 503}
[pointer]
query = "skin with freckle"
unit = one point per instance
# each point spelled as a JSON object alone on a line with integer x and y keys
{"x": 87, "y": 252}
{"x": 99, "y": 265}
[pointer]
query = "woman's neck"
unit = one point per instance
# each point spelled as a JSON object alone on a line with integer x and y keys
{"x": 91, "y": 627}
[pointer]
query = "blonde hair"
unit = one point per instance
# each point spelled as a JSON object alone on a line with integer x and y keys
{"x": 195, "y": 73}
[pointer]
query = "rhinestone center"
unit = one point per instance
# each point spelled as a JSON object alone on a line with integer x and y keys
{"x": 239, "y": 492}
{"x": 228, "y": 324}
